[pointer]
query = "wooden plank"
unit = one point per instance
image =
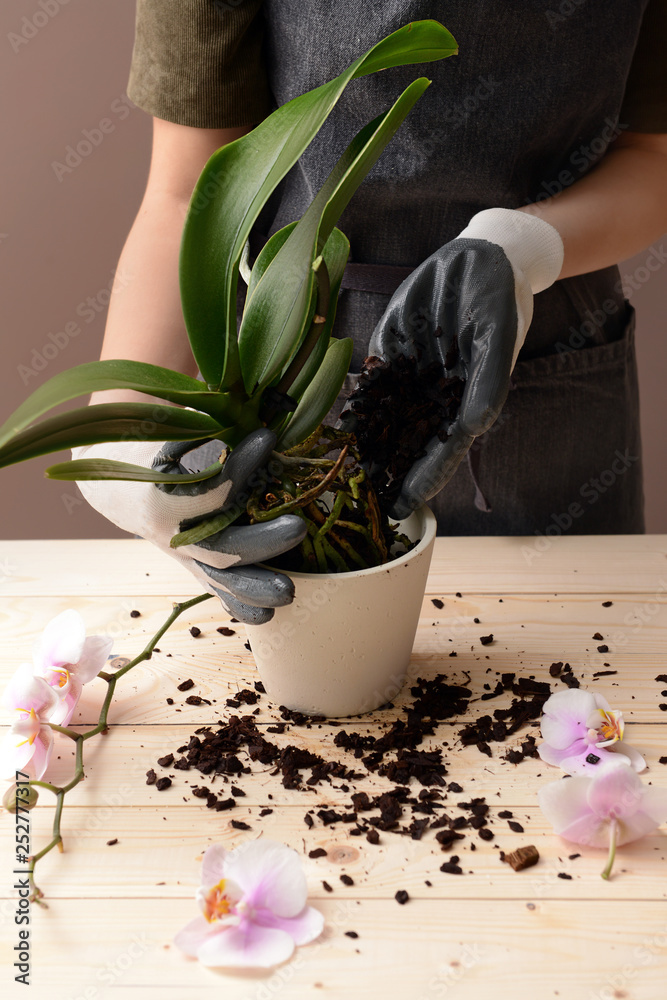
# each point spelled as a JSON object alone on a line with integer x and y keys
{"x": 529, "y": 634}
{"x": 576, "y": 564}
{"x": 510, "y": 950}
{"x": 160, "y": 858}
{"x": 561, "y": 627}
{"x": 116, "y": 767}
{"x": 520, "y": 935}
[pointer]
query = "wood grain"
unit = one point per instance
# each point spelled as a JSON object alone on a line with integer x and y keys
{"x": 424, "y": 950}
{"x": 571, "y": 564}
{"x": 161, "y": 857}
{"x": 491, "y": 931}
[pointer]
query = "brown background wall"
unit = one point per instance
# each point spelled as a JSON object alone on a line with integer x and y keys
{"x": 63, "y": 224}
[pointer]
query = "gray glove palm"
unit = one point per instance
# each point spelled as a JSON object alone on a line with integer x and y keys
{"x": 225, "y": 562}
{"x": 464, "y": 312}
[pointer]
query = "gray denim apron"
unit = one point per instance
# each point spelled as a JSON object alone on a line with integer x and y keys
{"x": 529, "y": 105}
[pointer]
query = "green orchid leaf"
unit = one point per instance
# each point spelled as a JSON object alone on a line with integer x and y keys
{"x": 238, "y": 180}
{"x": 254, "y": 335}
{"x": 95, "y": 376}
{"x": 266, "y": 255}
{"x": 204, "y": 529}
{"x": 320, "y": 395}
{"x": 273, "y": 318}
{"x": 102, "y": 468}
{"x": 108, "y": 422}
{"x": 335, "y": 252}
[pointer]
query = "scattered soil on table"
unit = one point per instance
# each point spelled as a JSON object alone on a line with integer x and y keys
{"x": 417, "y": 797}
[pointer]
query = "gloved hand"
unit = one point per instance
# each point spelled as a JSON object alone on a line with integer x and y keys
{"x": 223, "y": 562}
{"x": 472, "y": 300}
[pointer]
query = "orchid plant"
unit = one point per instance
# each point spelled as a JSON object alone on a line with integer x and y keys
{"x": 253, "y": 899}
{"x": 282, "y": 369}
{"x": 47, "y": 690}
{"x": 45, "y": 694}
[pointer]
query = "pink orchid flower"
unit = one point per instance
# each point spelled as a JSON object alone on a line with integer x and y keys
{"x": 582, "y": 733}
{"x": 610, "y": 809}
{"x": 28, "y": 744}
{"x": 67, "y": 660}
{"x": 253, "y": 901}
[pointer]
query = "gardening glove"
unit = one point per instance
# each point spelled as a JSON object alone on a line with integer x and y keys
{"x": 472, "y": 300}
{"x": 223, "y": 563}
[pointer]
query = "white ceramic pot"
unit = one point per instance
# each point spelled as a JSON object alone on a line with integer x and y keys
{"x": 343, "y": 646}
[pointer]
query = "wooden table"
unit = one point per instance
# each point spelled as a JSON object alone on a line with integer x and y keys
{"x": 491, "y": 931}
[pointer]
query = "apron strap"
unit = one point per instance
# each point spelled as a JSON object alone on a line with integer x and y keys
{"x": 380, "y": 278}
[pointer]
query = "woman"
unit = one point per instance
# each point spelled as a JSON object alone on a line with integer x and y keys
{"x": 535, "y": 161}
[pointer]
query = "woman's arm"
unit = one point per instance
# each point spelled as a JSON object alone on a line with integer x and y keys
{"x": 145, "y": 320}
{"x": 617, "y": 209}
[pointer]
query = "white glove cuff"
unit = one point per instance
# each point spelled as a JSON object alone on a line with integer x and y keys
{"x": 532, "y": 245}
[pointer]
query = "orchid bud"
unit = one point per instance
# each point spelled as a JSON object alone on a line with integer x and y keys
{"x": 25, "y": 795}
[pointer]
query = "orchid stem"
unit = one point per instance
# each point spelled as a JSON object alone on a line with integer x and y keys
{"x": 613, "y": 830}
{"x": 36, "y": 893}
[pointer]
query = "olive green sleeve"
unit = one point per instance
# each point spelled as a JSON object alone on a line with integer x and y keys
{"x": 645, "y": 103}
{"x": 200, "y": 62}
